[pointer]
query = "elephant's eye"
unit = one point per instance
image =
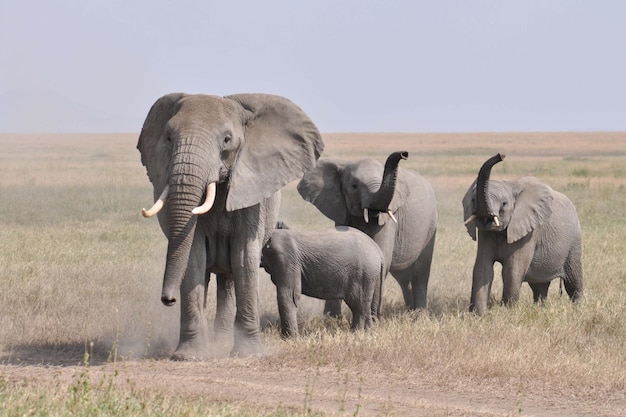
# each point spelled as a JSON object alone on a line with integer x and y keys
{"x": 227, "y": 139}
{"x": 354, "y": 186}
{"x": 504, "y": 203}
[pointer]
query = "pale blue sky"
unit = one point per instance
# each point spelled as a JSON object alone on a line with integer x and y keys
{"x": 380, "y": 66}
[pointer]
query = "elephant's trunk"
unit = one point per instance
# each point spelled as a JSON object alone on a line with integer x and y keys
{"x": 381, "y": 200}
{"x": 482, "y": 186}
{"x": 188, "y": 182}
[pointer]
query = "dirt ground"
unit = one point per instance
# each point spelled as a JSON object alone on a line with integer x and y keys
{"x": 259, "y": 381}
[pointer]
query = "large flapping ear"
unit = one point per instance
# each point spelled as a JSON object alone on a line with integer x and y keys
{"x": 469, "y": 208}
{"x": 533, "y": 206}
{"x": 281, "y": 143}
{"x": 152, "y": 144}
{"x": 321, "y": 186}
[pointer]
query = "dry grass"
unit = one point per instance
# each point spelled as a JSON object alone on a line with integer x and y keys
{"x": 78, "y": 264}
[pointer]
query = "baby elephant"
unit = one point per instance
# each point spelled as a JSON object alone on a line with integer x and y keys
{"x": 343, "y": 264}
{"x": 528, "y": 227}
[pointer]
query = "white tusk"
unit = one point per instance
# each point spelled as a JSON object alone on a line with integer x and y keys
{"x": 158, "y": 205}
{"x": 496, "y": 221}
{"x": 392, "y": 216}
{"x": 470, "y": 219}
{"x": 366, "y": 215}
{"x": 208, "y": 202}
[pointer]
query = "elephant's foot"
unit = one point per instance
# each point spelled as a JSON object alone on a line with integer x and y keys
{"x": 191, "y": 351}
{"x": 222, "y": 343}
{"x": 247, "y": 347}
{"x": 187, "y": 357}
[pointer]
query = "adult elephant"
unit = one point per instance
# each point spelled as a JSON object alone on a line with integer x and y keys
{"x": 531, "y": 229}
{"x": 396, "y": 207}
{"x": 217, "y": 165}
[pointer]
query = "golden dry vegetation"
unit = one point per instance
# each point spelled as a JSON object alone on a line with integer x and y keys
{"x": 82, "y": 329}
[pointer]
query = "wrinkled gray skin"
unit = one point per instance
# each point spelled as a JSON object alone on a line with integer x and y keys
{"x": 538, "y": 239}
{"x": 342, "y": 189}
{"x": 251, "y": 145}
{"x": 339, "y": 264}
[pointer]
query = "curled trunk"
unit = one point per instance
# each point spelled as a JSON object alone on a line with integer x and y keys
{"x": 482, "y": 186}
{"x": 384, "y": 195}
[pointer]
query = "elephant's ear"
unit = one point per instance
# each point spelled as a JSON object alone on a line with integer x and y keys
{"x": 533, "y": 206}
{"x": 152, "y": 144}
{"x": 281, "y": 143}
{"x": 468, "y": 209}
{"x": 321, "y": 186}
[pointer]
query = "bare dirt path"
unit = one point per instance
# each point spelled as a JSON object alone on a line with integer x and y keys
{"x": 255, "y": 381}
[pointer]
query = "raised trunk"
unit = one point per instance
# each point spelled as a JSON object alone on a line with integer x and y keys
{"x": 187, "y": 184}
{"x": 384, "y": 195}
{"x": 482, "y": 186}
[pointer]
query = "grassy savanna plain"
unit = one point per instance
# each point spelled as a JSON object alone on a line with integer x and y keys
{"x": 83, "y": 332}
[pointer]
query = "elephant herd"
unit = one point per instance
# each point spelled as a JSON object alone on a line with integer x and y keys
{"x": 217, "y": 165}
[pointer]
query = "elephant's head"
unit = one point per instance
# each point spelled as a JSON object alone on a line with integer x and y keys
{"x": 516, "y": 207}
{"x": 345, "y": 191}
{"x": 254, "y": 143}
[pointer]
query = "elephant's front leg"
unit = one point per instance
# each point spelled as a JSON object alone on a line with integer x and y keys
{"x": 515, "y": 267}
{"x": 514, "y": 270}
{"x": 540, "y": 291}
{"x": 419, "y": 281}
{"x": 482, "y": 276}
{"x": 481, "y": 284}
{"x": 193, "y": 342}
{"x": 288, "y": 310}
{"x": 245, "y": 261}
{"x": 332, "y": 308}
{"x": 225, "y": 310}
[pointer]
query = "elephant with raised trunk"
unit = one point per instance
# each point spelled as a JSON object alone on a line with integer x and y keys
{"x": 217, "y": 165}
{"x": 338, "y": 264}
{"x": 528, "y": 227}
{"x": 396, "y": 207}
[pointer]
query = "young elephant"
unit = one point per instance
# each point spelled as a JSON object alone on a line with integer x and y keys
{"x": 343, "y": 264}
{"x": 531, "y": 229}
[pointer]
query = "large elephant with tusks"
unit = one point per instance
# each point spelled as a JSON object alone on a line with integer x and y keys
{"x": 217, "y": 165}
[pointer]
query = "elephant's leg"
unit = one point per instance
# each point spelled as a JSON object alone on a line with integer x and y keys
{"x": 225, "y": 311}
{"x": 193, "y": 343}
{"x": 376, "y": 306}
{"x": 482, "y": 278}
{"x": 245, "y": 261}
{"x": 540, "y": 291}
{"x": 482, "y": 274}
{"x": 404, "y": 280}
{"x": 513, "y": 272}
{"x": 573, "y": 279}
{"x": 332, "y": 308}
{"x": 288, "y": 310}
{"x": 366, "y": 308}
{"x": 360, "y": 312}
{"x": 419, "y": 281}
